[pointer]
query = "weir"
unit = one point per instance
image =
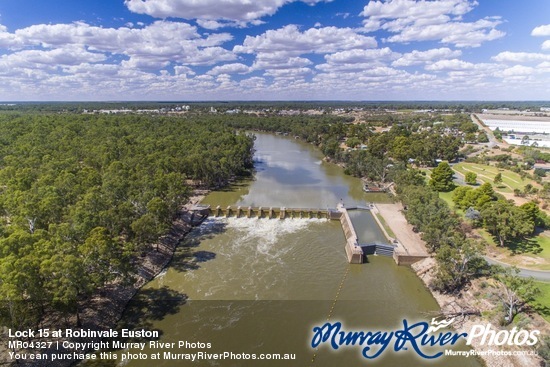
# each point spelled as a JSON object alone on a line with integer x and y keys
{"x": 356, "y": 251}
{"x": 268, "y": 212}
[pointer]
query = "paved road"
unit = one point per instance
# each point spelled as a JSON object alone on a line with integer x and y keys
{"x": 537, "y": 274}
{"x": 492, "y": 140}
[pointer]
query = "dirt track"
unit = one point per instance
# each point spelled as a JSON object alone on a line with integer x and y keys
{"x": 403, "y": 231}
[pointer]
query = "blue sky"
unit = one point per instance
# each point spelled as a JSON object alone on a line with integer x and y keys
{"x": 274, "y": 50}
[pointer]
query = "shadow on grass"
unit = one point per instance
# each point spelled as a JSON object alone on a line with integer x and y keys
{"x": 542, "y": 310}
{"x": 525, "y": 246}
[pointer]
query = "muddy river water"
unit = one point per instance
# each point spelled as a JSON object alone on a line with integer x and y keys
{"x": 258, "y": 286}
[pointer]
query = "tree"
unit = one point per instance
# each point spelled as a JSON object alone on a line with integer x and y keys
{"x": 430, "y": 215}
{"x": 408, "y": 177}
{"x": 353, "y": 142}
{"x": 80, "y": 192}
{"x": 537, "y": 216}
{"x": 459, "y": 194}
{"x": 442, "y": 177}
{"x": 400, "y": 149}
{"x": 457, "y": 263}
{"x": 514, "y": 291}
{"x": 498, "y": 179}
{"x": 506, "y": 222}
{"x": 471, "y": 178}
{"x": 541, "y": 172}
{"x": 470, "y": 137}
{"x": 498, "y": 134}
{"x": 482, "y": 137}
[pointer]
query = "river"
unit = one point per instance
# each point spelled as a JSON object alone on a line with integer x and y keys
{"x": 260, "y": 285}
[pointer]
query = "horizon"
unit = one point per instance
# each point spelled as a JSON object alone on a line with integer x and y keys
{"x": 160, "y": 101}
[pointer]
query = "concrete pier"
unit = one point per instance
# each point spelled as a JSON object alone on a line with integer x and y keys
{"x": 353, "y": 251}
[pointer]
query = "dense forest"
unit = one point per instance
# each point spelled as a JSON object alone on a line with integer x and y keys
{"x": 82, "y": 195}
{"x": 425, "y": 138}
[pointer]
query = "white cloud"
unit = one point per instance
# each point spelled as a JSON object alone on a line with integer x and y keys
{"x": 7, "y": 39}
{"x": 279, "y": 60}
{"x": 234, "y": 10}
{"x": 49, "y": 58}
{"x": 153, "y": 46}
{"x": 215, "y": 24}
{"x": 159, "y": 60}
{"x": 543, "y": 30}
{"x": 421, "y": 20}
{"x": 291, "y": 73}
{"x": 256, "y": 83}
{"x": 518, "y": 70}
{"x": 416, "y": 9}
{"x": 205, "y": 9}
{"x": 453, "y": 64}
{"x": 458, "y": 34}
{"x": 290, "y": 40}
{"x": 210, "y": 24}
{"x": 360, "y": 56}
{"x": 360, "y": 69}
{"x": 520, "y": 57}
{"x": 235, "y": 68}
{"x": 419, "y": 57}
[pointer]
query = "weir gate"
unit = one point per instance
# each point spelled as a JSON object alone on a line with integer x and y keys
{"x": 356, "y": 251}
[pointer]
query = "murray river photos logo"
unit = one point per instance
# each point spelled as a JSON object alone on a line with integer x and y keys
{"x": 421, "y": 337}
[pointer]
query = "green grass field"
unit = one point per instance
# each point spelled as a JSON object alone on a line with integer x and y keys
{"x": 385, "y": 225}
{"x": 485, "y": 173}
{"x": 542, "y": 302}
{"x": 447, "y": 197}
{"x": 535, "y": 252}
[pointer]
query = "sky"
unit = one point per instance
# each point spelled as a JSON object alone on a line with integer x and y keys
{"x": 189, "y": 50}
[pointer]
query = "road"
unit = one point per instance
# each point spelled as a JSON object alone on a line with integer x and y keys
{"x": 492, "y": 140}
{"x": 537, "y": 274}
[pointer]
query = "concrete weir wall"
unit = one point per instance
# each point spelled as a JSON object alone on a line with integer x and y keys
{"x": 353, "y": 251}
{"x": 406, "y": 259}
{"x": 270, "y": 212}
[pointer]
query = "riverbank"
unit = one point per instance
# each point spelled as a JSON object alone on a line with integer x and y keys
{"x": 474, "y": 296}
{"x": 105, "y": 308}
{"x": 466, "y": 299}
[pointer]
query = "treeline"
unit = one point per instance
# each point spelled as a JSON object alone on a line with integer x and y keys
{"x": 81, "y": 196}
{"x": 458, "y": 255}
{"x": 370, "y": 154}
{"x": 504, "y": 220}
{"x": 473, "y": 106}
